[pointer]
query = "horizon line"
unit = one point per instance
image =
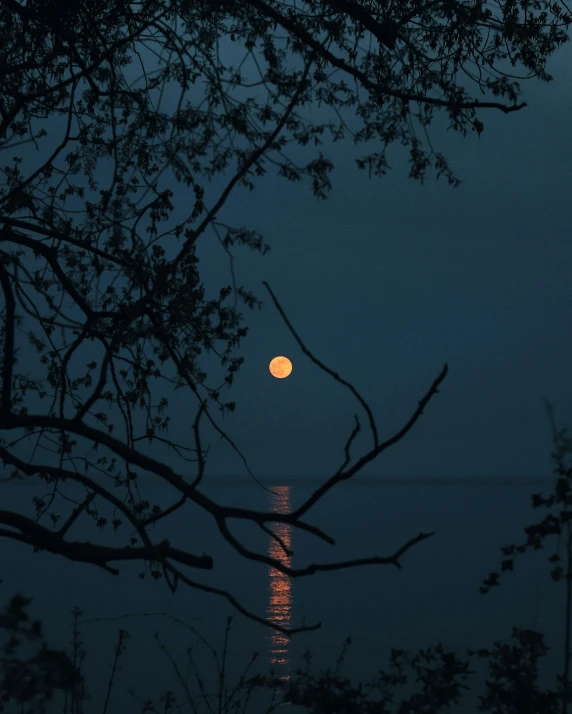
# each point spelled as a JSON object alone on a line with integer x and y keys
{"x": 378, "y": 479}
{"x": 359, "y": 480}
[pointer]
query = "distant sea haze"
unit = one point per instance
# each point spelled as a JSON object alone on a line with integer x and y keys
{"x": 370, "y": 481}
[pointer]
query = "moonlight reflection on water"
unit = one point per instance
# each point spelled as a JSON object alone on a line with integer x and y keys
{"x": 279, "y": 608}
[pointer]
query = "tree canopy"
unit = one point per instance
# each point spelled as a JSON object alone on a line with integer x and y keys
{"x": 104, "y": 311}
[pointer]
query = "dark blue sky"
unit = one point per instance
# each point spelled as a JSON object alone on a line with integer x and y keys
{"x": 388, "y": 279}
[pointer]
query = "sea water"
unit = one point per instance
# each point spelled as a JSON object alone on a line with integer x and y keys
{"x": 433, "y": 597}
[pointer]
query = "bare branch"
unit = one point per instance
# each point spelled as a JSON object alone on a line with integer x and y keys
{"x": 76, "y": 514}
{"x": 349, "y": 442}
{"x": 374, "y": 453}
{"x": 115, "y": 278}
{"x": 42, "y": 538}
{"x": 311, "y": 569}
{"x": 321, "y": 365}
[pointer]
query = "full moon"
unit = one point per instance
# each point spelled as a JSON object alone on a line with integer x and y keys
{"x": 280, "y": 367}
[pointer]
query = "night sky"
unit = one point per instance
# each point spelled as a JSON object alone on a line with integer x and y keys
{"x": 385, "y": 282}
{"x": 389, "y": 279}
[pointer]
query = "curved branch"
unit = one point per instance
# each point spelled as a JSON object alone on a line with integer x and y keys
{"x": 98, "y": 389}
{"x": 38, "y": 536}
{"x": 385, "y": 31}
{"x": 34, "y": 534}
{"x": 349, "y": 442}
{"x": 370, "y": 456}
{"x": 49, "y": 233}
{"x": 237, "y": 605}
{"x": 199, "y": 449}
{"x": 56, "y": 537}
{"x": 131, "y": 455}
{"x": 320, "y": 567}
{"x": 76, "y": 513}
{"x": 42, "y": 538}
{"x": 321, "y": 51}
{"x": 51, "y": 258}
{"x": 160, "y": 334}
{"x": 54, "y": 89}
{"x": 252, "y": 159}
{"x": 321, "y": 365}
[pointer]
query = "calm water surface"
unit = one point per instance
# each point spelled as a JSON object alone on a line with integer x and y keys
{"x": 433, "y": 597}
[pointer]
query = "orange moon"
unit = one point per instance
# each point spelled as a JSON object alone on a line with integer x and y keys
{"x": 280, "y": 367}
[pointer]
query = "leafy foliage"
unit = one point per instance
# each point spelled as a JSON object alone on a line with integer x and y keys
{"x": 514, "y": 669}
{"x": 105, "y": 310}
{"x": 31, "y": 681}
{"x": 431, "y": 682}
{"x": 537, "y": 533}
{"x": 552, "y": 524}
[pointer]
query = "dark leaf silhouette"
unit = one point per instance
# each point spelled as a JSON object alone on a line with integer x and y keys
{"x": 100, "y": 275}
{"x": 554, "y": 524}
{"x": 556, "y": 574}
{"x": 30, "y": 681}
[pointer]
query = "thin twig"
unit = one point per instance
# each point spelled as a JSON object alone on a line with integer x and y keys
{"x": 321, "y": 365}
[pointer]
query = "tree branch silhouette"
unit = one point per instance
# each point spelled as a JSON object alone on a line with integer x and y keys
{"x": 104, "y": 312}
